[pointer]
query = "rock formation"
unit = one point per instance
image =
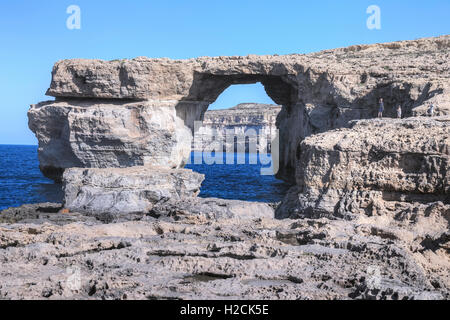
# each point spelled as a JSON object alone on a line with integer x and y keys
{"x": 375, "y": 167}
{"x": 103, "y": 134}
{"x": 368, "y": 217}
{"x": 115, "y": 191}
{"x": 179, "y": 253}
{"x": 318, "y": 92}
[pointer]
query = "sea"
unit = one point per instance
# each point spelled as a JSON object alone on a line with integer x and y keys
{"x": 237, "y": 176}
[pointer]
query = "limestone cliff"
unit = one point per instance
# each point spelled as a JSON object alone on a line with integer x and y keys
{"x": 233, "y": 126}
{"x": 375, "y": 167}
{"x": 102, "y": 134}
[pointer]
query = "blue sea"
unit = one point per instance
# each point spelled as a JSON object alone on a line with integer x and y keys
{"x": 239, "y": 181}
{"x": 21, "y": 181}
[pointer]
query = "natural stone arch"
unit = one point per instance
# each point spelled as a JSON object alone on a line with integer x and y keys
{"x": 207, "y": 87}
{"x": 145, "y": 108}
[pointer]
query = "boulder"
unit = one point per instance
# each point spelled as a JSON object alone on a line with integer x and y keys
{"x": 108, "y": 193}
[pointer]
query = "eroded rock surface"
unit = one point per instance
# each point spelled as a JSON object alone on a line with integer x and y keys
{"x": 188, "y": 256}
{"x": 375, "y": 166}
{"x": 372, "y": 195}
{"x": 101, "y": 134}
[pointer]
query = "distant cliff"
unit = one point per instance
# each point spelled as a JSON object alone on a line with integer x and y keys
{"x": 237, "y": 125}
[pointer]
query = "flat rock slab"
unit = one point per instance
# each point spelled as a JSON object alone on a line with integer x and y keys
{"x": 212, "y": 209}
{"x": 146, "y": 78}
{"x": 113, "y": 191}
{"x": 42, "y": 213}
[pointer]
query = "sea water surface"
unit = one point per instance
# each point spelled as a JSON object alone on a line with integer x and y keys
{"x": 21, "y": 181}
{"x": 238, "y": 181}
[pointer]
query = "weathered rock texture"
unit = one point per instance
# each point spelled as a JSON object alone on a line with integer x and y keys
{"x": 398, "y": 166}
{"x": 318, "y": 92}
{"x": 102, "y": 134}
{"x": 245, "y": 127}
{"x": 115, "y": 191}
{"x": 184, "y": 255}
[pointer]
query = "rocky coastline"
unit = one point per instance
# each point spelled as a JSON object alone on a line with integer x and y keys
{"x": 367, "y": 218}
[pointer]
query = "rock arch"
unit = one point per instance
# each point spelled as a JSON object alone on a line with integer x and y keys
{"x": 141, "y": 111}
{"x": 207, "y": 87}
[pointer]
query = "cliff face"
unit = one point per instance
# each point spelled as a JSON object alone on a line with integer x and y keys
{"x": 102, "y": 134}
{"x": 244, "y": 121}
{"x": 375, "y": 167}
{"x": 245, "y": 114}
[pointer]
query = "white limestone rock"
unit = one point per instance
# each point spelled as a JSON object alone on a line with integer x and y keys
{"x": 116, "y": 191}
{"x": 318, "y": 91}
{"x": 187, "y": 256}
{"x": 93, "y": 134}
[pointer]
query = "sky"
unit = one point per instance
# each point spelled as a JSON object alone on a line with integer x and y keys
{"x": 34, "y": 35}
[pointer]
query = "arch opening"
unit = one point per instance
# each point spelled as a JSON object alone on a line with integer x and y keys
{"x": 233, "y": 146}
{"x": 208, "y": 87}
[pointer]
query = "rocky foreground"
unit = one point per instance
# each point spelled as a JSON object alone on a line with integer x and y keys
{"x": 175, "y": 253}
{"x": 368, "y": 219}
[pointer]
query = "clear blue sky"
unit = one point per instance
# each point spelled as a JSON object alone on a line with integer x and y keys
{"x": 33, "y": 36}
